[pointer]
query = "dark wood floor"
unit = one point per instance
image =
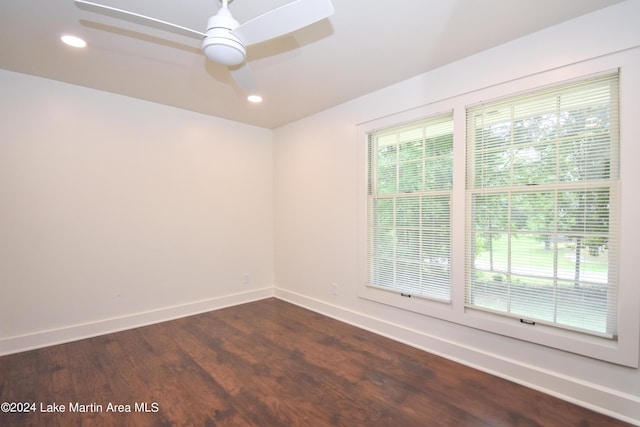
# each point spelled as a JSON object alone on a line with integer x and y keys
{"x": 267, "y": 363}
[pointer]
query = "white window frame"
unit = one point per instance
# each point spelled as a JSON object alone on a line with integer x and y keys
{"x": 625, "y": 350}
{"x": 419, "y": 287}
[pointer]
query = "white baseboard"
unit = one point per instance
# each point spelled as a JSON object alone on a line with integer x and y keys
{"x": 87, "y": 330}
{"x": 610, "y": 402}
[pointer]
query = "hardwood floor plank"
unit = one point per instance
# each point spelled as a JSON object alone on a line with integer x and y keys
{"x": 382, "y": 394}
{"x": 267, "y": 363}
{"x": 54, "y": 383}
{"x": 242, "y": 370}
{"x": 125, "y": 364}
{"x": 20, "y": 386}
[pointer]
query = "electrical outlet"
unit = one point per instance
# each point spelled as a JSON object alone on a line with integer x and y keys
{"x": 246, "y": 279}
{"x": 334, "y": 289}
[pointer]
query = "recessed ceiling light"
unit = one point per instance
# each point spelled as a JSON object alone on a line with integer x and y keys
{"x": 73, "y": 41}
{"x": 254, "y": 98}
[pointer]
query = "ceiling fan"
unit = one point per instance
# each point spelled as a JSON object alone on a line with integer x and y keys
{"x": 225, "y": 40}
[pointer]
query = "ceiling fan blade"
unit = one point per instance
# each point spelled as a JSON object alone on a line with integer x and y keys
{"x": 168, "y": 26}
{"x": 243, "y": 77}
{"x": 283, "y": 20}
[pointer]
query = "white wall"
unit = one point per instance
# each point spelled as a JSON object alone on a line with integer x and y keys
{"x": 316, "y": 181}
{"x": 116, "y": 212}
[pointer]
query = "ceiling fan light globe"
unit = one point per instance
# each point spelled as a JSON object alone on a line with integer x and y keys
{"x": 220, "y": 44}
{"x": 224, "y": 51}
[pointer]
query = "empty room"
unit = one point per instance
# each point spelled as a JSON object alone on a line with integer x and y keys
{"x": 319, "y": 213}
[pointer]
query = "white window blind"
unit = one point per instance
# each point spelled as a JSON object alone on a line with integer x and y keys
{"x": 542, "y": 176}
{"x": 409, "y": 199}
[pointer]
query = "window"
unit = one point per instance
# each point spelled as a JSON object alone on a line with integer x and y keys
{"x": 409, "y": 203}
{"x": 542, "y": 202}
{"x": 506, "y": 212}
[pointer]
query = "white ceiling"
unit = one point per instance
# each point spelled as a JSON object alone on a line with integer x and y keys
{"x": 365, "y": 46}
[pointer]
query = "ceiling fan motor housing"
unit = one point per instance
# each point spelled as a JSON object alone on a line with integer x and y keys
{"x": 221, "y": 45}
